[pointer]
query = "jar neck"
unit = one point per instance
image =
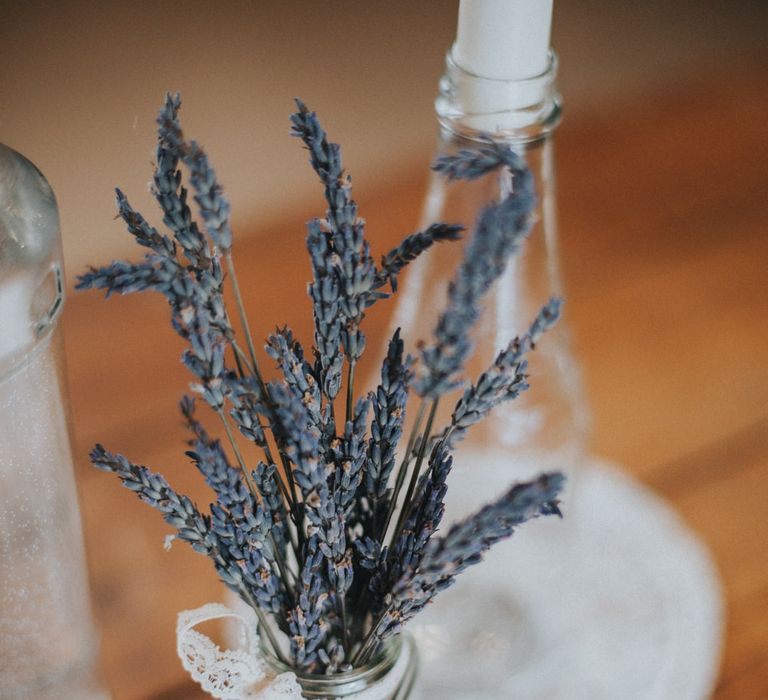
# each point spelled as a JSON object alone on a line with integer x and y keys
{"x": 388, "y": 676}
{"x": 513, "y": 111}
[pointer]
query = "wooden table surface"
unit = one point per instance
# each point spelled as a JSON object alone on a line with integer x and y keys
{"x": 663, "y": 211}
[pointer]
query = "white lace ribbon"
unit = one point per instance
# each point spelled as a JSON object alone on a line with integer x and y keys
{"x": 232, "y": 674}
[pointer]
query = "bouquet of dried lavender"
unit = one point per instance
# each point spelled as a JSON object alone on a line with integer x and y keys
{"x": 332, "y": 538}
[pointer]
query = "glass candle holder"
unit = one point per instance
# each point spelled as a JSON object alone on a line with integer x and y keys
{"x": 545, "y": 427}
{"x": 47, "y": 639}
{"x": 478, "y": 633}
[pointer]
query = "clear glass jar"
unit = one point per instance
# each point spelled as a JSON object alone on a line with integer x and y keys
{"x": 47, "y": 639}
{"x": 390, "y": 675}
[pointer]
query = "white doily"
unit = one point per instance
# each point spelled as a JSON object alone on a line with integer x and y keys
{"x": 625, "y": 604}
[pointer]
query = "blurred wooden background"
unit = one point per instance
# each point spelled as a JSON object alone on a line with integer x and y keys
{"x": 662, "y": 169}
{"x": 81, "y": 83}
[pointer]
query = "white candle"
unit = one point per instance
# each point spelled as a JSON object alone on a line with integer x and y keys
{"x": 503, "y": 39}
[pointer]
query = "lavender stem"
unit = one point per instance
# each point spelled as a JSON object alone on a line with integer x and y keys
{"x": 403, "y": 469}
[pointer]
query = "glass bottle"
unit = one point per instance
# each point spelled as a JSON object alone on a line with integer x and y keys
{"x": 479, "y": 626}
{"x": 47, "y": 639}
{"x": 545, "y": 427}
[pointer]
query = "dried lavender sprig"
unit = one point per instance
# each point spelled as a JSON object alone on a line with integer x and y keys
{"x": 252, "y": 530}
{"x": 205, "y": 356}
{"x": 209, "y": 194}
{"x": 349, "y": 455}
{"x": 144, "y": 234}
{"x": 175, "y": 281}
{"x": 279, "y": 549}
{"x": 212, "y": 461}
{"x": 266, "y": 518}
{"x": 300, "y": 443}
{"x": 169, "y": 192}
{"x": 227, "y": 482}
{"x": 214, "y": 206}
{"x": 250, "y": 401}
{"x": 307, "y": 622}
{"x": 205, "y": 359}
{"x": 464, "y": 545}
{"x": 412, "y": 246}
{"x": 247, "y": 404}
{"x": 195, "y": 298}
{"x": 357, "y": 277}
{"x": 245, "y": 538}
{"x": 467, "y": 541}
{"x": 348, "y": 251}
{"x": 414, "y": 442}
{"x": 196, "y": 529}
{"x": 389, "y": 407}
{"x": 153, "y": 489}
{"x": 215, "y": 210}
{"x": 121, "y": 277}
{"x": 391, "y": 564}
{"x": 325, "y": 158}
{"x": 504, "y": 380}
{"x": 267, "y": 482}
{"x": 298, "y": 374}
{"x": 473, "y": 163}
{"x": 326, "y": 306}
{"x": 499, "y": 233}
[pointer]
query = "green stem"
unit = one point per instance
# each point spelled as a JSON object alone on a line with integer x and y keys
{"x": 240, "y": 356}
{"x": 350, "y": 388}
{"x": 238, "y": 454}
{"x": 344, "y": 629}
{"x": 295, "y": 507}
{"x": 264, "y": 625}
{"x": 367, "y": 645}
{"x": 405, "y": 510}
{"x": 241, "y": 313}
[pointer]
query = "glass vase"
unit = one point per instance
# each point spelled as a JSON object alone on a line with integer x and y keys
{"x": 390, "y": 675}
{"x": 47, "y": 639}
{"x": 478, "y": 633}
{"x": 545, "y": 427}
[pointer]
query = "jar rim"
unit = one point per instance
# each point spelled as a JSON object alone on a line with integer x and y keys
{"x": 353, "y": 681}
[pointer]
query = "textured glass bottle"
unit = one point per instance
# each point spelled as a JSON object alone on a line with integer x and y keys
{"x": 478, "y": 632}
{"x": 47, "y": 639}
